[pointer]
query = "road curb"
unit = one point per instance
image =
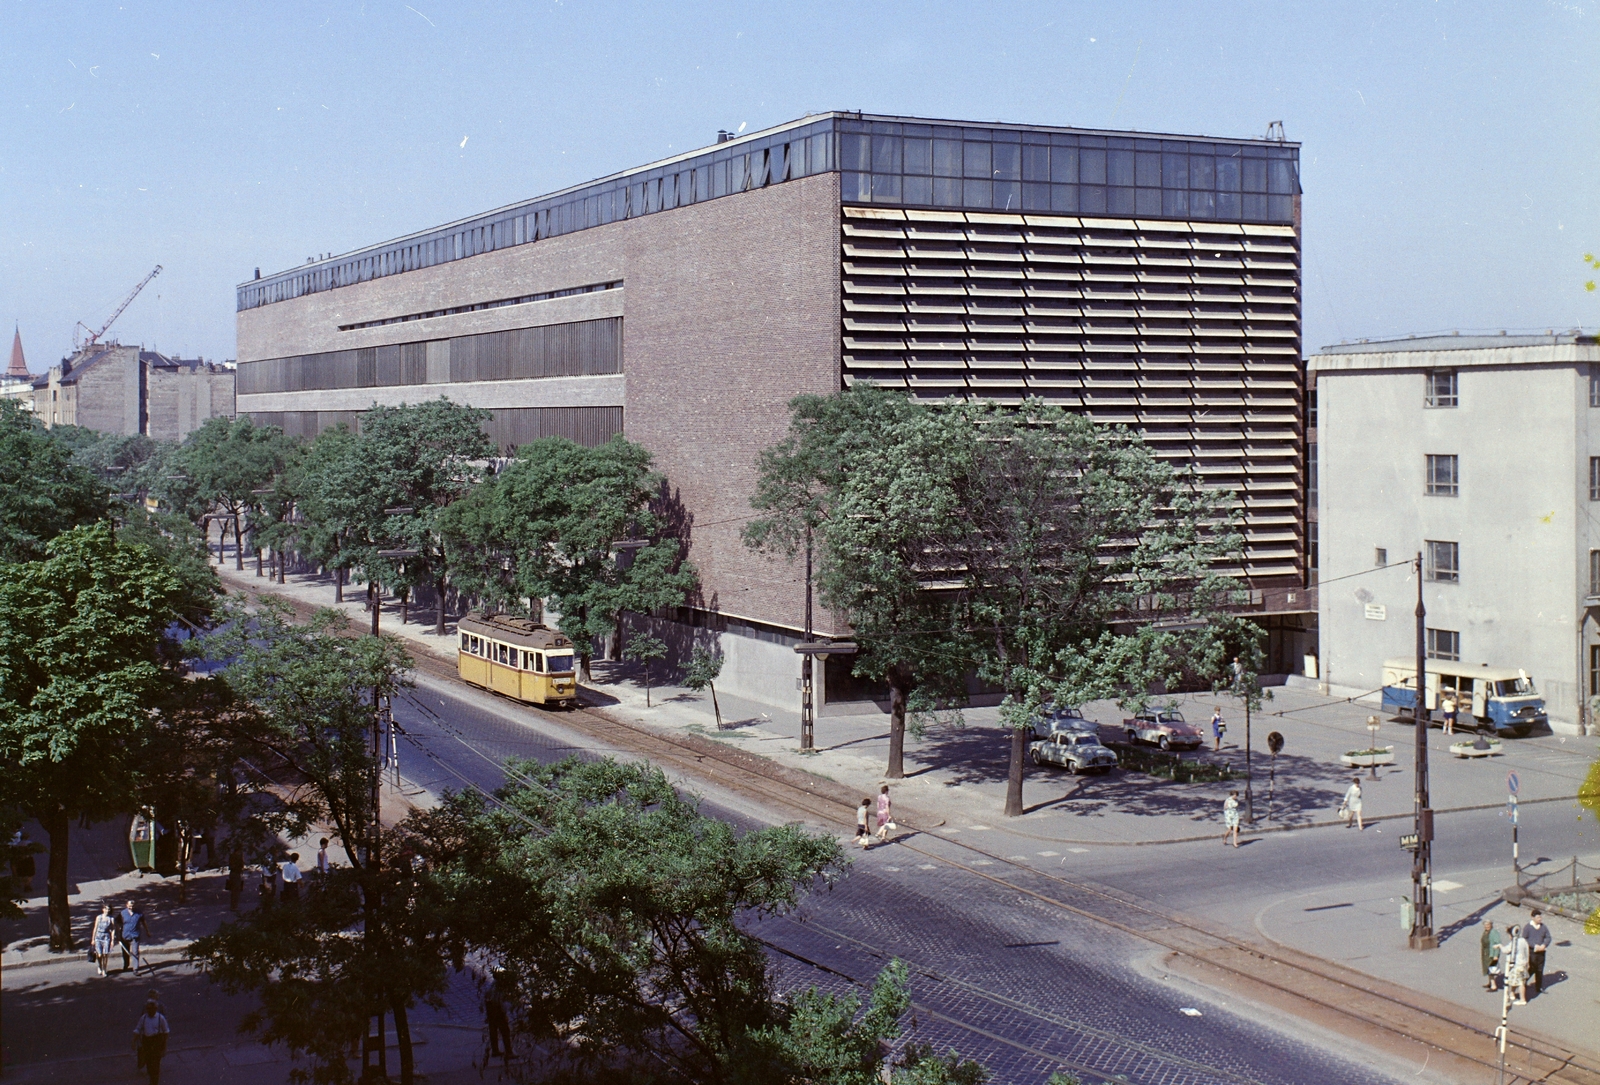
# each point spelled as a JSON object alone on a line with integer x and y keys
{"x": 77, "y": 955}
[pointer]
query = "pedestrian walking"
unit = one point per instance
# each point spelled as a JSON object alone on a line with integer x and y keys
{"x": 289, "y": 871}
{"x": 1448, "y": 705}
{"x": 1218, "y": 728}
{"x": 103, "y": 938}
{"x": 885, "y": 818}
{"x": 494, "y": 1012}
{"x": 1489, "y": 944}
{"x": 323, "y": 863}
{"x": 1350, "y": 805}
{"x": 135, "y": 929}
{"x": 1230, "y": 818}
{"x": 863, "y": 835}
{"x": 1515, "y": 955}
{"x": 1538, "y": 936}
{"x": 268, "y": 885}
{"x": 150, "y": 1034}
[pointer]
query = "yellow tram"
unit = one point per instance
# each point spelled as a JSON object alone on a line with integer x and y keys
{"x": 517, "y": 657}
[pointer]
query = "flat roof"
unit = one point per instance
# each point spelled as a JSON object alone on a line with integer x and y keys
{"x": 1233, "y": 180}
{"x": 1461, "y": 341}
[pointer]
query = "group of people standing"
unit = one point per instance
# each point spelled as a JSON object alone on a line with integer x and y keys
{"x": 1516, "y": 957}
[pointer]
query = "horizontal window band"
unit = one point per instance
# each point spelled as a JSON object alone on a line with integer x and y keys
{"x": 500, "y": 303}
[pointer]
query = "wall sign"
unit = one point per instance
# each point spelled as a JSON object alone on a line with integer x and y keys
{"x": 1377, "y": 612}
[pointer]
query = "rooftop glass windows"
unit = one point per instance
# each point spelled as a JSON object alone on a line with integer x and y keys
{"x": 886, "y": 160}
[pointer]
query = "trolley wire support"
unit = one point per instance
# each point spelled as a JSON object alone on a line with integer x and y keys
{"x": 1422, "y": 934}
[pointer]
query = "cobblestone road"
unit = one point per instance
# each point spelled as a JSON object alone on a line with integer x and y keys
{"x": 1023, "y": 987}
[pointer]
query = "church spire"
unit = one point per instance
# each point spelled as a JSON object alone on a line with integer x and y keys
{"x": 19, "y": 364}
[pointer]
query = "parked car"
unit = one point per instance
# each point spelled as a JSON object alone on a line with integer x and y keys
{"x": 1075, "y": 751}
{"x": 1163, "y": 727}
{"x": 1053, "y": 718}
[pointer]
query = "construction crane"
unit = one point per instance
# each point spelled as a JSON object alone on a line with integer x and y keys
{"x": 79, "y": 343}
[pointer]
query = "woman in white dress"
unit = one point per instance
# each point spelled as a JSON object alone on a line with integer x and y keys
{"x": 1351, "y": 806}
{"x": 1230, "y": 819}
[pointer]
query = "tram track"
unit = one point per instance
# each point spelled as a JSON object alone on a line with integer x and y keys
{"x": 1358, "y": 1007}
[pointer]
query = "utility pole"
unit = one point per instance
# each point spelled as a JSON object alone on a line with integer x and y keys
{"x": 1422, "y": 936}
{"x": 808, "y": 723}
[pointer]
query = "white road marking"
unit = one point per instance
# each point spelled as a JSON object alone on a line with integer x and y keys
{"x": 979, "y": 828}
{"x": 1444, "y": 885}
{"x": 927, "y": 866}
{"x": 1050, "y": 854}
{"x": 1079, "y": 851}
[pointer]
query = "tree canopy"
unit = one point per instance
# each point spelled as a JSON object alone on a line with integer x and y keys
{"x": 1025, "y": 546}
{"x": 85, "y": 657}
{"x": 44, "y": 491}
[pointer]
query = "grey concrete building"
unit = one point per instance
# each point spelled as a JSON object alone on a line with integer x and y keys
{"x": 1483, "y": 454}
{"x": 1146, "y": 280}
{"x": 125, "y": 389}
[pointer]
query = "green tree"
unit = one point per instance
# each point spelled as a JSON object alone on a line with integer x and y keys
{"x": 704, "y": 667}
{"x": 1089, "y": 566}
{"x": 311, "y": 691}
{"x": 613, "y": 905}
{"x": 84, "y": 658}
{"x": 646, "y": 649}
{"x": 556, "y": 514}
{"x": 220, "y": 467}
{"x": 43, "y": 492}
{"x": 423, "y": 458}
{"x": 865, "y": 472}
{"x": 327, "y": 488}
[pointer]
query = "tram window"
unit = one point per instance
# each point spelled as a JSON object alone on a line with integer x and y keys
{"x": 538, "y": 662}
{"x": 560, "y": 663}
{"x": 475, "y": 647}
{"x": 465, "y": 642}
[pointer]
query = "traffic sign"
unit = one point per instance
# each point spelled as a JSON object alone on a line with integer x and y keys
{"x": 1512, "y": 783}
{"x": 1275, "y": 743}
{"x": 1408, "y": 841}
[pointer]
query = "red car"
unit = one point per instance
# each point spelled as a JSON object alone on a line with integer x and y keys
{"x": 1163, "y": 727}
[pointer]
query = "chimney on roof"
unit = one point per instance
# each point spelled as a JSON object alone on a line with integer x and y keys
{"x": 723, "y": 135}
{"x": 19, "y": 364}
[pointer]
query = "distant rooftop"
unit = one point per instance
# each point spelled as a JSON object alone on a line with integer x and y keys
{"x": 1473, "y": 340}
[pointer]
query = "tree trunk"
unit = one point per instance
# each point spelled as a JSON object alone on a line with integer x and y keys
{"x": 338, "y": 585}
{"x": 1014, "y": 777}
{"x": 402, "y": 1040}
{"x": 438, "y": 606}
{"x": 57, "y": 824}
{"x": 715, "y": 707}
{"x": 238, "y": 543}
{"x": 897, "y": 729}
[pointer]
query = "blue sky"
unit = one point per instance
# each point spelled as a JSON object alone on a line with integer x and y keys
{"x": 1449, "y": 149}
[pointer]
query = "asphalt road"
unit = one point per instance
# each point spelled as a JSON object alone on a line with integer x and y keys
{"x": 1024, "y": 988}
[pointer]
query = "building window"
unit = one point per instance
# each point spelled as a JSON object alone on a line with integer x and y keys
{"x": 1444, "y": 561}
{"x": 1380, "y": 556}
{"x": 1444, "y": 476}
{"x": 1594, "y": 572}
{"x": 1594, "y": 478}
{"x": 1594, "y": 670}
{"x": 1441, "y": 388}
{"x": 1311, "y": 474}
{"x": 1594, "y": 386}
{"x": 1444, "y": 644}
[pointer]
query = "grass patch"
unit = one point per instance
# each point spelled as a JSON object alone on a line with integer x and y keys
{"x": 1170, "y": 766}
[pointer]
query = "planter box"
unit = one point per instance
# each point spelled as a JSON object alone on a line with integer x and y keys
{"x": 1360, "y": 759}
{"x": 1469, "y": 749}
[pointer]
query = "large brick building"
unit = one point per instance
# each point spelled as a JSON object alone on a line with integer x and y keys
{"x": 1140, "y": 279}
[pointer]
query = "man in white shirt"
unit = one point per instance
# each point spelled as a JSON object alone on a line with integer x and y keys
{"x": 151, "y": 1031}
{"x": 324, "y": 864}
{"x": 291, "y": 877}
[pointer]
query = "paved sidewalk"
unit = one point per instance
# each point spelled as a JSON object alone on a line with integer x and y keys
{"x": 957, "y": 773}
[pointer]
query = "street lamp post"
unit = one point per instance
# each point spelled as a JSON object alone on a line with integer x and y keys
{"x": 1372, "y": 746}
